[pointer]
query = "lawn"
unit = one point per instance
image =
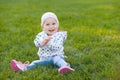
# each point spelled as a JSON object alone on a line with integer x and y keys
{"x": 92, "y": 46}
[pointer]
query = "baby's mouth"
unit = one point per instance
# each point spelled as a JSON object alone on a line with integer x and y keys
{"x": 51, "y": 30}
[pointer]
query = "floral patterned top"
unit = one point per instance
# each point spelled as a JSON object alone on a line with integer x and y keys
{"x": 53, "y": 47}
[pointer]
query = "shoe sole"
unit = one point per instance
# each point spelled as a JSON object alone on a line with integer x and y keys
{"x": 65, "y": 70}
{"x": 13, "y": 65}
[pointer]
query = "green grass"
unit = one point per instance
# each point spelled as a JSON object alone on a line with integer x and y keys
{"x": 92, "y": 46}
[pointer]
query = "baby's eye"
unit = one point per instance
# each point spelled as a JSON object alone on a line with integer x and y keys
{"x": 47, "y": 24}
{"x": 53, "y": 23}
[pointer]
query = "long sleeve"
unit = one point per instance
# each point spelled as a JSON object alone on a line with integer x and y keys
{"x": 39, "y": 38}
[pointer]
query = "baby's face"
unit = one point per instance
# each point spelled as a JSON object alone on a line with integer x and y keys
{"x": 50, "y": 26}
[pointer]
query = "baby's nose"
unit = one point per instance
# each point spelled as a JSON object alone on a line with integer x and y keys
{"x": 51, "y": 26}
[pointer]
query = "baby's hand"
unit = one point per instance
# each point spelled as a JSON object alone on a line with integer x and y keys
{"x": 46, "y": 40}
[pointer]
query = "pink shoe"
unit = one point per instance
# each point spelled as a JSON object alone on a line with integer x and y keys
{"x": 23, "y": 67}
{"x": 13, "y": 65}
{"x": 65, "y": 69}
